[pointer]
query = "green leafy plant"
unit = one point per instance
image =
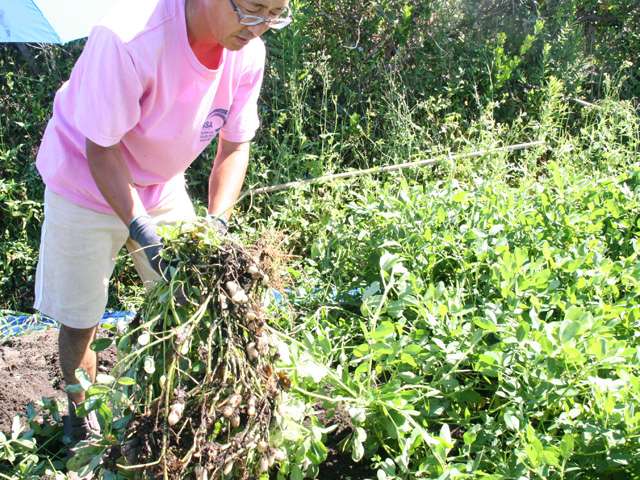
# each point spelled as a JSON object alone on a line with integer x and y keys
{"x": 487, "y": 329}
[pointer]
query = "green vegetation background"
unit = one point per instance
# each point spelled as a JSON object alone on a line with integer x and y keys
{"x": 359, "y": 84}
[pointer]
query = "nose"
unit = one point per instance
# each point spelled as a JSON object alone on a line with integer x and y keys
{"x": 258, "y": 30}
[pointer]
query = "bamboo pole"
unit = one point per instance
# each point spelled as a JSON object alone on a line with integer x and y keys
{"x": 387, "y": 168}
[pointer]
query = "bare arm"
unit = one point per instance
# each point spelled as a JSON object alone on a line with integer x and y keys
{"x": 227, "y": 176}
{"x": 114, "y": 181}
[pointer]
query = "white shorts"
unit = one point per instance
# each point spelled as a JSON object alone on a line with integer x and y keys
{"x": 78, "y": 250}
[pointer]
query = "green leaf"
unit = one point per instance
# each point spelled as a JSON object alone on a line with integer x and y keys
{"x": 357, "y": 451}
{"x": 533, "y": 455}
{"x": 522, "y": 331}
{"x": 83, "y": 457}
{"x": 574, "y": 313}
{"x": 127, "y": 381}
{"x": 385, "y": 329}
{"x": 371, "y": 290}
{"x": 104, "y": 379}
{"x": 361, "y": 370}
{"x": 469, "y": 437}
{"x": 485, "y": 324}
{"x": 534, "y": 449}
{"x": 460, "y": 196}
{"x": 408, "y": 359}
{"x": 124, "y": 344}
{"x": 74, "y": 388}
{"x": 569, "y": 330}
{"x": 307, "y": 367}
{"x": 296, "y": 473}
{"x": 83, "y": 378}
{"x": 105, "y": 413}
{"x": 109, "y": 326}
{"x": 467, "y": 396}
{"x": 91, "y": 403}
{"x": 318, "y": 451}
{"x": 566, "y": 446}
{"x": 489, "y": 362}
{"x": 122, "y": 422}
{"x": 98, "y": 389}
{"x": 361, "y": 350}
{"x": 25, "y": 443}
{"x": 445, "y": 434}
{"x": 101, "y": 344}
{"x": 387, "y": 261}
{"x": 16, "y": 427}
{"x": 511, "y": 421}
{"x": 31, "y": 412}
{"x": 550, "y": 457}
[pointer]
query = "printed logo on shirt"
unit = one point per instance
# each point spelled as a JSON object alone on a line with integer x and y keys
{"x": 212, "y": 125}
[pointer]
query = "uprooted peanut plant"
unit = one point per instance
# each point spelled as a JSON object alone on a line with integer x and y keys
{"x": 194, "y": 389}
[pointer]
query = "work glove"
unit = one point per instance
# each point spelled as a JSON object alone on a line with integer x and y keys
{"x": 218, "y": 224}
{"x": 143, "y": 231}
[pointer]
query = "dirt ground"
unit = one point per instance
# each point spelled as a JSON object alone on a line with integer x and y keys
{"x": 29, "y": 370}
{"x": 339, "y": 466}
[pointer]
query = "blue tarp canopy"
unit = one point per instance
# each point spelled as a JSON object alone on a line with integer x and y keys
{"x": 49, "y": 21}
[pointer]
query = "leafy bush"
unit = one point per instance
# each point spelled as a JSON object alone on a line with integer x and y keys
{"x": 353, "y": 85}
{"x": 455, "y": 329}
{"x": 479, "y": 329}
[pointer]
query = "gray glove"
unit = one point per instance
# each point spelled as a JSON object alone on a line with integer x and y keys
{"x": 143, "y": 231}
{"x": 218, "y": 223}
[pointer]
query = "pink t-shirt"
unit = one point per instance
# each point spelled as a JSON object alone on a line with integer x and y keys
{"x": 139, "y": 83}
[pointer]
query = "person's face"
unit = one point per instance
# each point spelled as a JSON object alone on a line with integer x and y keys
{"x": 223, "y": 22}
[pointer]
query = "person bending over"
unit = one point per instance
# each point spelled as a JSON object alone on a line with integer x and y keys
{"x": 157, "y": 81}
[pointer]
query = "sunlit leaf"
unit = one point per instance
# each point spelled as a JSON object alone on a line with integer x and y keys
{"x": 101, "y": 344}
{"x": 83, "y": 378}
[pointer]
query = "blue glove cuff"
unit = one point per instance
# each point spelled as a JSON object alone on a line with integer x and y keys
{"x": 143, "y": 230}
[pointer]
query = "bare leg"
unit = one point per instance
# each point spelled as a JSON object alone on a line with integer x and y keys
{"x": 75, "y": 352}
{"x": 74, "y": 344}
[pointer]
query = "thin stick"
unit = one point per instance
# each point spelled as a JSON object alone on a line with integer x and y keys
{"x": 584, "y": 103}
{"x": 388, "y": 168}
{"x": 139, "y": 466}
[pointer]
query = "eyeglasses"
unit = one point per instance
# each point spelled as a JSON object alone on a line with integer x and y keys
{"x": 276, "y": 23}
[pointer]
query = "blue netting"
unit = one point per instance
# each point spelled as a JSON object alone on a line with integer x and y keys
{"x": 12, "y": 325}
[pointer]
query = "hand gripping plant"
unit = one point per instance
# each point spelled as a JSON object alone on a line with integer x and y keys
{"x": 196, "y": 386}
